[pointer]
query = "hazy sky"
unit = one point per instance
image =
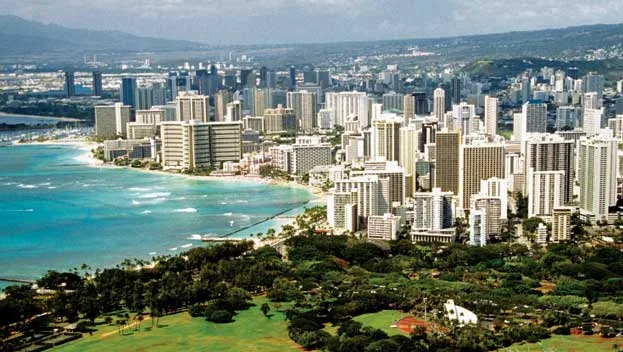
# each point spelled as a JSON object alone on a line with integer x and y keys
{"x": 287, "y": 21}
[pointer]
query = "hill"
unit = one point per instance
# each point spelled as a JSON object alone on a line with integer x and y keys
{"x": 20, "y": 36}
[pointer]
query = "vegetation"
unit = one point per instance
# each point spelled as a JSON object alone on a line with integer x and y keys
{"x": 337, "y": 293}
{"x": 269, "y": 171}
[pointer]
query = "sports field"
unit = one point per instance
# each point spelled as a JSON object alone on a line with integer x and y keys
{"x": 383, "y": 320}
{"x": 251, "y": 332}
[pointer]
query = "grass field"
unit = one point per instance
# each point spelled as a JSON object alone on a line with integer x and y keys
{"x": 383, "y": 320}
{"x": 251, "y": 332}
{"x": 572, "y": 343}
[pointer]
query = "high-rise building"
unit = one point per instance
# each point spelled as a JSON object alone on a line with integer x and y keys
{"x": 408, "y": 146}
{"x": 479, "y": 161}
{"x": 566, "y": 117}
{"x": 127, "y": 92}
{"x": 292, "y": 77}
{"x": 592, "y": 119}
{"x": 324, "y": 79}
{"x": 213, "y": 80}
{"x": 447, "y": 160}
{"x": 196, "y": 144}
{"x": 491, "y": 115}
{"x": 456, "y": 90}
{"x": 421, "y": 104}
{"x": 386, "y": 139}
{"x": 533, "y": 118}
{"x": 432, "y": 210}
{"x": 598, "y": 167}
{"x": 144, "y": 98}
{"x": 408, "y": 107}
{"x": 111, "y": 120}
{"x": 259, "y": 97}
{"x": 545, "y": 192}
{"x": 393, "y": 101}
{"x": 346, "y": 104}
{"x": 367, "y": 189}
{"x": 309, "y": 152}
{"x": 340, "y": 209}
{"x": 396, "y": 181}
{"x": 383, "y": 227}
{"x": 305, "y": 106}
{"x": 464, "y": 114}
{"x": 96, "y": 89}
{"x": 192, "y": 107}
{"x": 70, "y": 86}
{"x": 223, "y": 97}
{"x": 561, "y": 224}
{"x": 279, "y": 120}
{"x": 439, "y": 104}
{"x": 548, "y": 152}
{"x": 234, "y": 111}
{"x": 478, "y": 227}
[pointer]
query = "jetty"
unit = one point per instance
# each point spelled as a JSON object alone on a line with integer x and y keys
{"x": 18, "y": 281}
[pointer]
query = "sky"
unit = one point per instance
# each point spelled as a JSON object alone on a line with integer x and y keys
{"x": 297, "y": 21}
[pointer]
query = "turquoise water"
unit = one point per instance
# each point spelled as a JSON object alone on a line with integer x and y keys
{"x": 58, "y": 214}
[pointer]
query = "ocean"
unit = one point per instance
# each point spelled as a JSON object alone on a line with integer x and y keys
{"x": 57, "y": 213}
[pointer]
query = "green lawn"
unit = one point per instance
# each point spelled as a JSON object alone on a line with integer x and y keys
{"x": 383, "y": 320}
{"x": 572, "y": 343}
{"x": 251, "y": 332}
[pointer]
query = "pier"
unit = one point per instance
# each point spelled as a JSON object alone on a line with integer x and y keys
{"x": 18, "y": 281}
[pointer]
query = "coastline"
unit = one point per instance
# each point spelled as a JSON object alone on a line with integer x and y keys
{"x": 88, "y": 160}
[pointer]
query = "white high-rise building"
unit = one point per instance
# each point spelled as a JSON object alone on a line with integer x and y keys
{"x": 339, "y": 205}
{"x": 561, "y": 224}
{"x": 383, "y": 227}
{"x": 368, "y": 194}
{"x": 309, "y": 152}
{"x": 534, "y": 118}
{"x": 192, "y": 107}
{"x": 478, "y": 227}
{"x": 463, "y": 117}
{"x": 598, "y": 174}
{"x": 439, "y": 104}
{"x": 386, "y": 138}
{"x": 545, "y": 192}
{"x": 491, "y": 115}
{"x": 345, "y": 104}
{"x": 111, "y": 120}
{"x": 592, "y": 121}
{"x": 432, "y": 210}
{"x": 498, "y": 188}
{"x": 305, "y": 107}
{"x": 478, "y": 161}
{"x": 409, "y": 142}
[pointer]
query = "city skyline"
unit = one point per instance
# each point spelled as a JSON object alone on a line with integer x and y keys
{"x": 305, "y": 21}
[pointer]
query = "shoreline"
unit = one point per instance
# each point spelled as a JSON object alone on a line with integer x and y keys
{"x": 87, "y": 158}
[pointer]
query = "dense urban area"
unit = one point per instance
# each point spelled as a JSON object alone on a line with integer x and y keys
{"x": 474, "y": 193}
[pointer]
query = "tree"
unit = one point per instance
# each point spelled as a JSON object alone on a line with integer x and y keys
{"x": 522, "y": 206}
{"x": 89, "y": 302}
{"x": 265, "y": 308}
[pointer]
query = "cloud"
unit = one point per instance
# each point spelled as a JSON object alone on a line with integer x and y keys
{"x": 264, "y": 21}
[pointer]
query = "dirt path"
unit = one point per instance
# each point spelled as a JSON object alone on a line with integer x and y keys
{"x": 106, "y": 334}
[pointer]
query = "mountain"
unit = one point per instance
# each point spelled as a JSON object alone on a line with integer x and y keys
{"x": 19, "y": 36}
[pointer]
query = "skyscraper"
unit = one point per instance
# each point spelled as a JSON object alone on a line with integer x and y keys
{"x": 144, "y": 98}
{"x": 346, "y": 104}
{"x": 305, "y": 106}
{"x": 479, "y": 161}
{"x": 202, "y": 81}
{"x": 456, "y": 90}
{"x": 70, "y": 87}
{"x": 97, "y": 84}
{"x": 545, "y": 192}
{"x": 409, "y": 107}
{"x": 533, "y": 118}
{"x": 111, "y": 120}
{"x": 213, "y": 85}
{"x": 463, "y": 115}
{"x": 447, "y": 152}
{"x": 592, "y": 119}
{"x": 439, "y": 104}
{"x": 598, "y": 174}
{"x": 292, "y": 77}
{"x": 421, "y": 104}
{"x": 548, "y": 152}
{"x": 192, "y": 107}
{"x": 491, "y": 115}
{"x": 128, "y": 91}
{"x": 386, "y": 139}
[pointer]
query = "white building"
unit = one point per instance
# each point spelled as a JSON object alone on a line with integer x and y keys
{"x": 545, "y": 192}
{"x": 345, "y": 104}
{"x": 383, "y": 227}
{"x": 192, "y": 106}
{"x": 111, "y": 121}
{"x": 491, "y": 115}
{"x": 478, "y": 227}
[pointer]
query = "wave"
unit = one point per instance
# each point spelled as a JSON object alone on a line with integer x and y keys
{"x": 173, "y": 249}
{"x": 139, "y": 189}
{"x": 204, "y": 196}
{"x": 228, "y": 214}
{"x": 21, "y": 185}
{"x": 86, "y": 185}
{"x": 10, "y": 183}
{"x": 52, "y": 187}
{"x": 135, "y": 202}
{"x": 245, "y": 217}
{"x": 223, "y": 203}
{"x": 19, "y": 210}
{"x": 153, "y": 253}
{"x": 154, "y": 201}
{"x": 242, "y": 201}
{"x": 195, "y": 237}
{"x": 155, "y": 195}
{"x": 146, "y": 212}
{"x": 44, "y": 184}
{"x": 185, "y": 210}
{"x": 180, "y": 198}
{"x": 187, "y": 245}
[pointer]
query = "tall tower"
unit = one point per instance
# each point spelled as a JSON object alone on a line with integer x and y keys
{"x": 292, "y": 77}
{"x": 479, "y": 161}
{"x": 386, "y": 139}
{"x": 70, "y": 88}
{"x": 97, "y": 84}
{"x": 598, "y": 174}
{"x": 128, "y": 91}
{"x": 548, "y": 152}
{"x": 447, "y": 159}
{"x": 491, "y": 115}
{"x": 192, "y": 107}
{"x": 305, "y": 106}
{"x": 439, "y": 104}
{"x": 409, "y": 107}
{"x": 534, "y": 117}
